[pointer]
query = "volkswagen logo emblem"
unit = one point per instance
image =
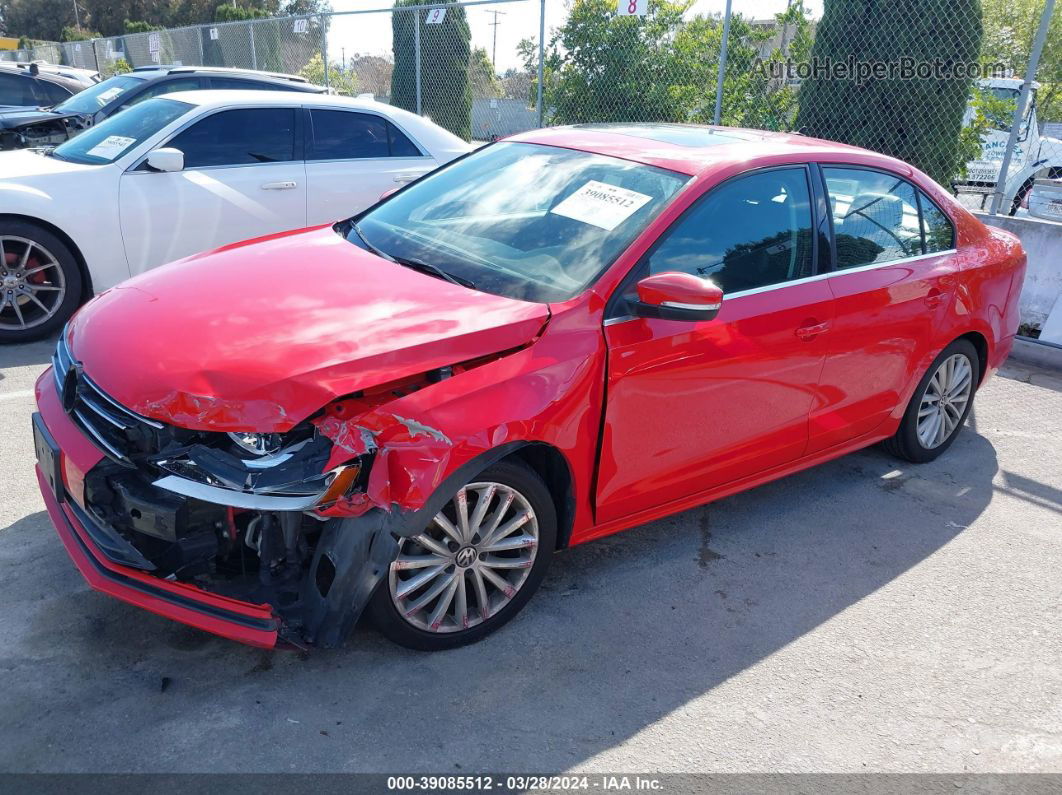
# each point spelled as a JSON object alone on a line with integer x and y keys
{"x": 69, "y": 395}
{"x": 465, "y": 557}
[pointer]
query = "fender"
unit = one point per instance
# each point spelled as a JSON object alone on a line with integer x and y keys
{"x": 354, "y": 554}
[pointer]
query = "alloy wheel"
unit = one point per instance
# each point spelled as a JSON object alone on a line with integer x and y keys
{"x": 470, "y": 561}
{"x": 32, "y": 284}
{"x": 944, "y": 401}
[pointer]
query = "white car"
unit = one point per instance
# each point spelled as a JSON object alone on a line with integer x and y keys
{"x": 188, "y": 172}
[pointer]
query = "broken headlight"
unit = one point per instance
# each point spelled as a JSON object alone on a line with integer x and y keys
{"x": 266, "y": 471}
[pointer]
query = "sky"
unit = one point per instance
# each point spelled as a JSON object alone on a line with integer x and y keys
{"x": 370, "y": 34}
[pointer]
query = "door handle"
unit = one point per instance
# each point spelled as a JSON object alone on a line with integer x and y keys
{"x": 404, "y": 178}
{"x": 811, "y": 331}
{"x": 935, "y": 298}
{"x": 285, "y": 185}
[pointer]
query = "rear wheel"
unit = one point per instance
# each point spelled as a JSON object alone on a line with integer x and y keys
{"x": 939, "y": 406}
{"x": 474, "y": 566}
{"x": 40, "y": 282}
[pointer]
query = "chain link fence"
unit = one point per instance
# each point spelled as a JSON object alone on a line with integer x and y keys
{"x": 933, "y": 82}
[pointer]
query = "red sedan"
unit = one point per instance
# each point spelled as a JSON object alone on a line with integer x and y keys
{"x": 552, "y": 339}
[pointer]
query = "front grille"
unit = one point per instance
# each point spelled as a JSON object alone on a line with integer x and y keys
{"x": 116, "y": 430}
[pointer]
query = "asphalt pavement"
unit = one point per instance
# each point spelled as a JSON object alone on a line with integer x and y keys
{"x": 867, "y": 615}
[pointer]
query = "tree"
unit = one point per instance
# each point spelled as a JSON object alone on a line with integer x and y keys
{"x": 1010, "y": 26}
{"x": 918, "y": 120}
{"x": 345, "y": 83}
{"x": 37, "y": 19}
{"x": 485, "y": 82}
{"x": 446, "y": 95}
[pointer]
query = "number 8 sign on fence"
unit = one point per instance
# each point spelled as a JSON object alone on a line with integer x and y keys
{"x": 632, "y": 8}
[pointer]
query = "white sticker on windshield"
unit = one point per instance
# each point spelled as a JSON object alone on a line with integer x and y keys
{"x": 111, "y": 146}
{"x": 106, "y": 96}
{"x": 601, "y": 205}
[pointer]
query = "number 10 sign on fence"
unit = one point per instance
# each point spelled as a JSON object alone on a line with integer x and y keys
{"x": 632, "y": 8}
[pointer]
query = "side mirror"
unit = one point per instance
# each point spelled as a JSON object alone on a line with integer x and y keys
{"x": 166, "y": 159}
{"x": 677, "y": 296}
{"x": 386, "y": 193}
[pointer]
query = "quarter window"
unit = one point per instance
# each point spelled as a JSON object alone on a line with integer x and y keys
{"x": 239, "y": 137}
{"x": 345, "y": 135}
{"x": 939, "y": 233}
{"x": 750, "y": 232}
{"x": 875, "y": 216}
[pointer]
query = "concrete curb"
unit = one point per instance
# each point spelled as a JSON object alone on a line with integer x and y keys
{"x": 1041, "y": 354}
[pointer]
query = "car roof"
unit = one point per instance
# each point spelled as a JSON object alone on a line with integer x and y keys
{"x": 221, "y": 97}
{"x": 694, "y": 149}
{"x": 51, "y": 72}
{"x": 297, "y": 82}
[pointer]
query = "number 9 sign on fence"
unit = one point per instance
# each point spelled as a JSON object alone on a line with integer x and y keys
{"x": 632, "y": 8}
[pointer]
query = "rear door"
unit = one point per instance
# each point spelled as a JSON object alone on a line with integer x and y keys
{"x": 893, "y": 281}
{"x": 243, "y": 177}
{"x": 694, "y": 405}
{"x": 353, "y": 158}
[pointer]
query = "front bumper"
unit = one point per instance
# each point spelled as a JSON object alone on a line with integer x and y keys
{"x": 253, "y": 624}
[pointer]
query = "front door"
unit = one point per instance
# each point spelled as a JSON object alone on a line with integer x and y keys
{"x": 243, "y": 177}
{"x": 692, "y": 406}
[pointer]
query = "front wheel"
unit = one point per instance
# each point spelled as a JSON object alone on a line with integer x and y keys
{"x": 40, "y": 282}
{"x": 939, "y": 406}
{"x": 475, "y": 565}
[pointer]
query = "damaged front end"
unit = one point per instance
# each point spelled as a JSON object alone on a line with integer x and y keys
{"x": 280, "y": 519}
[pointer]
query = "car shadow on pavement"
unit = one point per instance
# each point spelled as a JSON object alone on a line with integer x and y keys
{"x": 28, "y": 353}
{"x": 625, "y": 631}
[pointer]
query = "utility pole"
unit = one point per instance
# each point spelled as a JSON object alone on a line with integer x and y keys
{"x": 494, "y": 51}
{"x": 77, "y": 17}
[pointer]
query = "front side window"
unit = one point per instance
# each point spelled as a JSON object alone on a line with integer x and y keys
{"x": 16, "y": 90}
{"x": 49, "y": 93}
{"x": 939, "y": 233}
{"x": 344, "y": 135}
{"x": 93, "y": 99}
{"x": 875, "y": 216}
{"x": 239, "y": 137}
{"x": 164, "y": 87}
{"x": 527, "y": 221}
{"x": 750, "y": 232}
{"x": 114, "y": 137}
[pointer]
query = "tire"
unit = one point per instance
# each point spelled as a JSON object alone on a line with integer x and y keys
{"x": 418, "y": 631}
{"x": 51, "y": 275}
{"x": 908, "y": 442}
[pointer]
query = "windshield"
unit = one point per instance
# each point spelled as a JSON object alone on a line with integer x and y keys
{"x": 111, "y": 139}
{"x": 525, "y": 221}
{"x": 92, "y": 99}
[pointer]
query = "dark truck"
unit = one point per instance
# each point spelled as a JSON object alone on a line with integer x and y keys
{"x": 23, "y": 127}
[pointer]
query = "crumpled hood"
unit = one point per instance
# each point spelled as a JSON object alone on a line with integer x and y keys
{"x": 12, "y": 117}
{"x": 259, "y": 336}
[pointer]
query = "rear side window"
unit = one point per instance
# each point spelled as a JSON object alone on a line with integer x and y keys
{"x": 239, "y": 137}
{"x": 750, "y": 232}
{"x": 345, "y": 135}
{"x": 875, "y": 216}
{"x": 17, "y": 90}
{"x": 939, "y": 233}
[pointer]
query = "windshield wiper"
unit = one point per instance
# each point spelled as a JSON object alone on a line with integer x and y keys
{"x": 415, "y": 264}
{"x": 434, "y": 270}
